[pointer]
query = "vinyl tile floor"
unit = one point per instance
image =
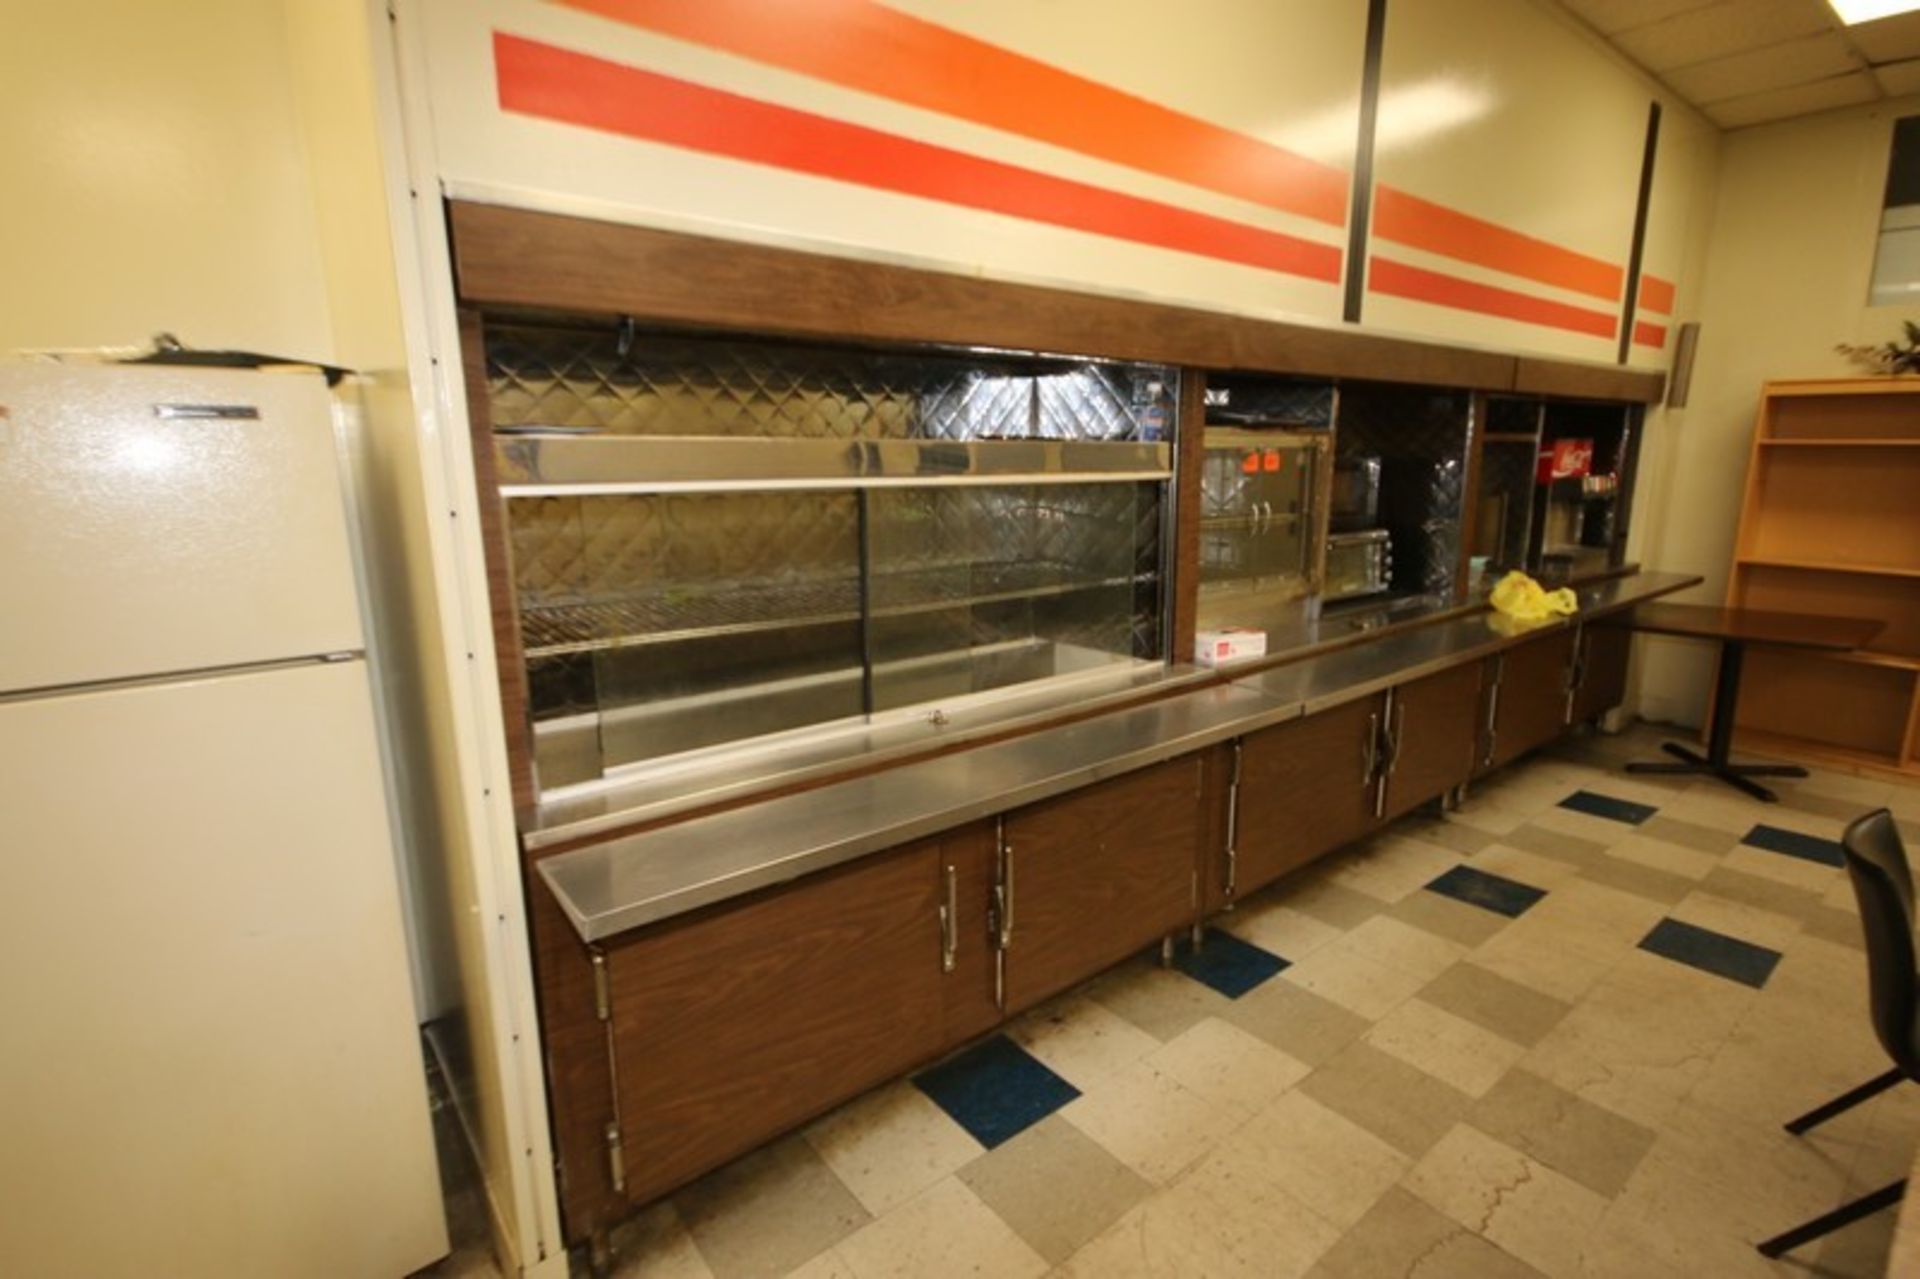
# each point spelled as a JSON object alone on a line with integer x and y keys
{"x": 1553, "y": 1033}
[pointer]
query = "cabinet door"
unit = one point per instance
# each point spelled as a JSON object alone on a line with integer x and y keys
{"x": 1602, "y": 669}
{"x": 1306, "y": 788}
{"x": 1531, "y": 695}
{"x": 1434, "y": 723}
{"x": 969, "y": 867}
{"x": 739, "y": 1023}
{"x": 1099, "y": 874}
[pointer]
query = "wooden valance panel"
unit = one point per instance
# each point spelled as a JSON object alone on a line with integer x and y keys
{"x": 519, "y": 258}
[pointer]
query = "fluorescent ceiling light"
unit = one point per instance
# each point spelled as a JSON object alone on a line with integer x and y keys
{"x": 1857, "y": 11}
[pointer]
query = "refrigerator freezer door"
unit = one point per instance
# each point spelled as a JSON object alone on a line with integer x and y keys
{"x": 209, "y": 1064}
{"x": 143, "y": 533}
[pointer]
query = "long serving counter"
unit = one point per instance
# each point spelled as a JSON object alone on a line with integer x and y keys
{"x": 626, "y": 882}
{"x": 813, "y": 642}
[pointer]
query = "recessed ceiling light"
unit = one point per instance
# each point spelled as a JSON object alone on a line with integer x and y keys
{"x": 1857, "y": 11}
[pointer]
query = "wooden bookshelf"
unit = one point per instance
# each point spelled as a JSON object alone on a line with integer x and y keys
{"x": 1830, "y": 524}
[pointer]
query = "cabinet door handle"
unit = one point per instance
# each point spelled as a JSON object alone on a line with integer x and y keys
{"x": 950, "y": 923}
{"x": 1006, "y": 905}
{"x": 1233, "y": 824}
{"x": 1003, "y": 895}
{"x": 1493, "y": 711}
{"x": 1394, "y": 735}
{"x": 1370, "y": 749}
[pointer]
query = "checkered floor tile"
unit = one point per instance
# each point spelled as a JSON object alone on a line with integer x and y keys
{"x": 1229, "y": 965}
{"x": 995, "y": 1090}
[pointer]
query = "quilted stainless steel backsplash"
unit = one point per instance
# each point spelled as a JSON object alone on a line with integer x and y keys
{"x": 1420, "y": 436}
{"x": 670, "y": 384}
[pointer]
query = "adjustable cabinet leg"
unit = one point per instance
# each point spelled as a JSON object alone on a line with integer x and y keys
{"x": 600, "y": 1252}
{"x": 1198, "y": 935}
{"x": 1166, "y": 951}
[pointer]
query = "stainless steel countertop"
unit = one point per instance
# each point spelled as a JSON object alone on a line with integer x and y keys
{"x": 1359, "y": 670}
{"x": 633, "y": 880}
{"x": 638, "y": 879}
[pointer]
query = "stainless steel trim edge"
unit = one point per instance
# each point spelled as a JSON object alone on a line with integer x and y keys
{"x": 545, "y": 465}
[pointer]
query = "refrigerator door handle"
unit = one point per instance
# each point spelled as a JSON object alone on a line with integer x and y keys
{"x": 207, "y": 412}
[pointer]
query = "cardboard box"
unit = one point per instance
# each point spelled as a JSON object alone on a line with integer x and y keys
{"x": 1228, "y": 644}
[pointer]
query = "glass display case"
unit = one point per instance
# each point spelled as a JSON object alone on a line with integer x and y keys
{"x": 1264, "y": 479}
{"x": 717, "y": 539}
{"x": 1261, "y": 500}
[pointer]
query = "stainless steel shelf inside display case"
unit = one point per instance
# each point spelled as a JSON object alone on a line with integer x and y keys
{"x": 536, "y": 462}
{"x": 673, "y": 616}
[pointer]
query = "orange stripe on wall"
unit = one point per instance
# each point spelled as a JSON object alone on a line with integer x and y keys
{"x": 1653, "y": 335}
{"x": 556, "y": 84}
{"x": 1398, "y": 279}
{"x": 1656, "y": 295}
{"x": 1421, "y": 224}
{"x": 861, "y": 45}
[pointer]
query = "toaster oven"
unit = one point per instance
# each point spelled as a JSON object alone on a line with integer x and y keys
{"x": 1358, "y": 564}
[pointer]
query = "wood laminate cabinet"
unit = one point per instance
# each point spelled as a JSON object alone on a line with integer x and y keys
{"x": 1432, "y": 726}
{"x": 1527, "y": 692}
{"x": 1600, "y": 670}
{"x": 1094, "y": 876}
{"x": 1305, "y": 788}
{"x": 740, "y": 1022}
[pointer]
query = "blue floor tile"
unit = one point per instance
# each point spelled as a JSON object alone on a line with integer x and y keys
{"x": 995, "y": 1090}
{"x": 1598, "y": 805}
{"x": 1229, "y": 965}
{"x": 1712, "y": 952}
{"x": 1809, "y": 848}
{"x": 1496, "y": 893}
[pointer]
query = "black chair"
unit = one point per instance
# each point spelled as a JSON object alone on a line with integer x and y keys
{"x": 1877, "y": 865}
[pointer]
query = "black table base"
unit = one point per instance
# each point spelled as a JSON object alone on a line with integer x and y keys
{"x": 1717, "y": 762}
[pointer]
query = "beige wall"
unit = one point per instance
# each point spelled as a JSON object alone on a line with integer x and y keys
{"x": 154, "y": 180}
{"x": 1791, "y": 251}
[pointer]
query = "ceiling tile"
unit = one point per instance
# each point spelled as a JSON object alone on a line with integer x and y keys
{"x": 1889, "y": 39}
{"x": 1774, "y": 67}
{"x": 1723, "y": 29}
{"x": 1899, "y": 79}
{"x": 1610, "y": 17}
{"x": 1800, "y": 99}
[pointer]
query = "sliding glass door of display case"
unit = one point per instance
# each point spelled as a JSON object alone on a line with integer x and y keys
{"x": 980, "y": 588}
{"x": 1260, "y": 493}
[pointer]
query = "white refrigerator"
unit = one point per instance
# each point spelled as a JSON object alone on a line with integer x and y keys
{"x": 209, "y": 1063}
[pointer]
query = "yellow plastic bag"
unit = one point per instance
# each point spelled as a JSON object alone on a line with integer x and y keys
{"x": 1524, "y": 600}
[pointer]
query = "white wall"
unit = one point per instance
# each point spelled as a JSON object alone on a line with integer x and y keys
{"x": 1786, "y": 278}
{"x": 153, "y": 179}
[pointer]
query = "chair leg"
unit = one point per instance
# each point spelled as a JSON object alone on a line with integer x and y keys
{"x": 1844, "y": 1215}
{"x": 1846, "y": 1101}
